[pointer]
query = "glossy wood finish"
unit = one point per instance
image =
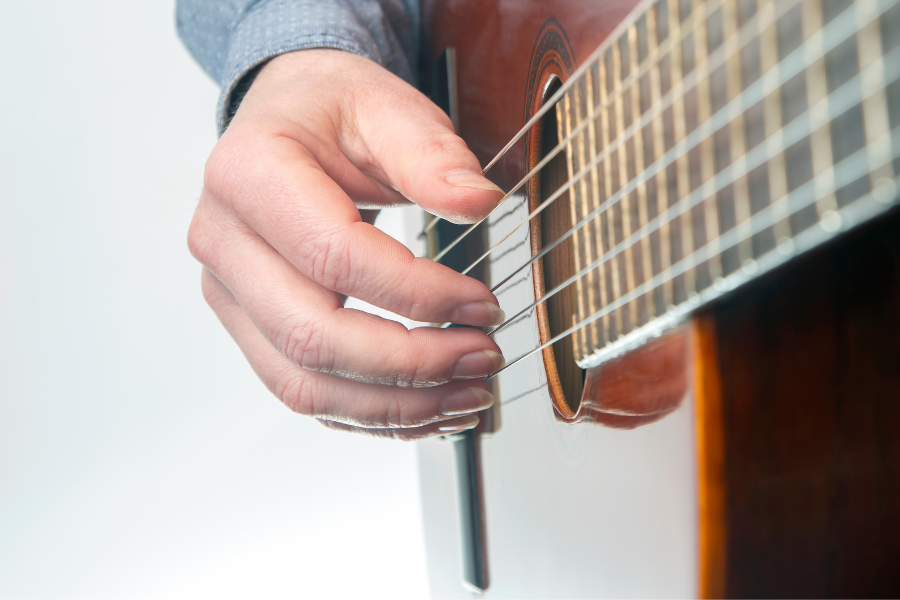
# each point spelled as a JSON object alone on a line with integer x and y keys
{"x": 786, "y": 453}
{"x": 640, "y": 387}
{"x": 710, "y": 444}
{"x": 551, "y": 65}
{"x": 810, "y": 373}
{"x": 634, "y": 389}
{"x": 494, "y": 42}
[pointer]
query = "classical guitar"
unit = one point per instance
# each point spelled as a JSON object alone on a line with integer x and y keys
{"x": 699, "y": 255}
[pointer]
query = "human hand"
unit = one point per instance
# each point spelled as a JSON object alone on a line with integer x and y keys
{"x": 320, "y": 135}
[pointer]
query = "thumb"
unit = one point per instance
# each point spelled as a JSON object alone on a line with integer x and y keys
{"x": 416, "y": 148}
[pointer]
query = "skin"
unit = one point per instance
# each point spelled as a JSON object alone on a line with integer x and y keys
{"x": 322, "y": 140}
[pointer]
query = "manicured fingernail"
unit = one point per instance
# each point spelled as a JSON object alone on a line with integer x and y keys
{"x": 465, "y": 401}
{"x": 472, "y": 179}
{"x": 478, "y": 313}
{"x": 459, "y": 424}
{"x": 477, "y": 364}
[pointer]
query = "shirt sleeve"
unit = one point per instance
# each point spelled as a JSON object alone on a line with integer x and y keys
{"x": 231, "y": 38}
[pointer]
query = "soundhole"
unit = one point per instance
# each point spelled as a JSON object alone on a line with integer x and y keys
{"x": 558, "y": 265}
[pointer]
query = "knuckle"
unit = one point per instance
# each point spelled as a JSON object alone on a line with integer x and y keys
{"x": 300, "y": 393}
{"x": 222, "y": 172}
{"x": 329, "y": 259}
{"x": 448, "y": 144}
{"x": 305, "y": 344}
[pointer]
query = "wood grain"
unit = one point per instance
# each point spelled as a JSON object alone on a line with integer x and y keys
{"x": 809, "y": 360}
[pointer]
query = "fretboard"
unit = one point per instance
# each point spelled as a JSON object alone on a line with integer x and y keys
{"x": 709, "y": 141}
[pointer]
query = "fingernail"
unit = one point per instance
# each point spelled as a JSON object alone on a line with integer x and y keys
{"x": 477, "y": 364}
{"x": 465, "y": 401}
{"x": 472, "y": 179}
{"x": 460, "y": 424}
{"x": 478, "y": 313}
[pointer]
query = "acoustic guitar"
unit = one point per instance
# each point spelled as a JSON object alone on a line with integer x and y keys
{"x": 699, "y": 256}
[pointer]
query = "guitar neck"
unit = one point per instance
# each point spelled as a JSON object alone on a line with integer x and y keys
{"x": 708, "y": 142}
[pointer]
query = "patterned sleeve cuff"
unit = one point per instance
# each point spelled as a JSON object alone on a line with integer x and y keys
{"x": 274, "y": 27}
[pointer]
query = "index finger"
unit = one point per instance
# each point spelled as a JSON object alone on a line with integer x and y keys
{"x": 289, "y": 200}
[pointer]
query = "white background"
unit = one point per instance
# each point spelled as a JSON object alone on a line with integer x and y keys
{"x": 139, "y": 455}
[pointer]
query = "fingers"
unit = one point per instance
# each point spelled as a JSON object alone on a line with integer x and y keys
{"x": 288, "y": 200}
{"x": 411, "y": 434}
{"x": 386, "y": 128}
{"x": 289, "y": 167}
{"x": 342, "y": 400}
{"x": 308, "y": 324}
{"x": 415, "y": 146}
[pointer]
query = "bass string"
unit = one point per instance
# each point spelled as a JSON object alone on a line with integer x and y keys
{"x": 678, "y": 91}
{"x": 648, "y": 63}
{"x": 576, "y": 75}
{"x": 835, "y": 34}
{"x": 826, "y": 186}
{"x": 802, "y": 197}
{"x": 840, "y": 29}
{"x": 820, "y": 113}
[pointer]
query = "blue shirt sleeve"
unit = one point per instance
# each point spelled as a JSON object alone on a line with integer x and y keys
{"x": 230, "y": 38}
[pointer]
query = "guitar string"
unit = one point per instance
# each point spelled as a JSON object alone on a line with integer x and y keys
{"x": 833, "y": 34}
{"x": 716, "y": 59}
{"x": 768, "y": 82}
{"x": 841, "y": 100}
{"x": 648, "y": 63}
{"x": 612, "y": 38}
{"x": 716, "y": 121}
{"x": 802, "y": 197}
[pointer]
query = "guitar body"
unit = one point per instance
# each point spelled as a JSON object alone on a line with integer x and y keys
{"x": 751, "y": 448}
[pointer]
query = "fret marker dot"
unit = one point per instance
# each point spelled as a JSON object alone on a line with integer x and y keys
{"x": 831, "y": 221}
{"x": 720, "y": 284}
{"x": 786, "y": 246}
{"x": 750, "y": 267}
{"x": 885, "y": 191}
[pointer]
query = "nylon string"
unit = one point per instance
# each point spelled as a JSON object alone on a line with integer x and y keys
{"x": 802, "y": 197}
{"x": 847, "y": 96}
{"x": 839, "y": 30}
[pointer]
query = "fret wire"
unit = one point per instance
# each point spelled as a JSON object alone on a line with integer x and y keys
{"x": 707, "y": 151}
{"x": 596, "y": 224}
{"x": 817, "y": 90}
{"x": 574, "y": 190}
{"x": 682, "y": 171}
{"x": 610, "y": 39}
{"x": 680, "y": 86}
{"x": 583, "y": 197}
{"x": 582, "y": 111}
{"x": 625, "y": 268}
{"x": 616, "y": 324}
{"x": 801, "y": 197}
{"x": 875, "y": 107}
{"x": 773, "y": 122}
{"x": 659, "y": 148}
{"x": 629, "y": 311}
{"x": 734, "y": 78}
{"x": 846, "y": 96}
{"x": 563, "y": 132}
{"x": 557, "y": 97}
{"x": 643, "y": 212}
{"x": 760, "y": 89}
